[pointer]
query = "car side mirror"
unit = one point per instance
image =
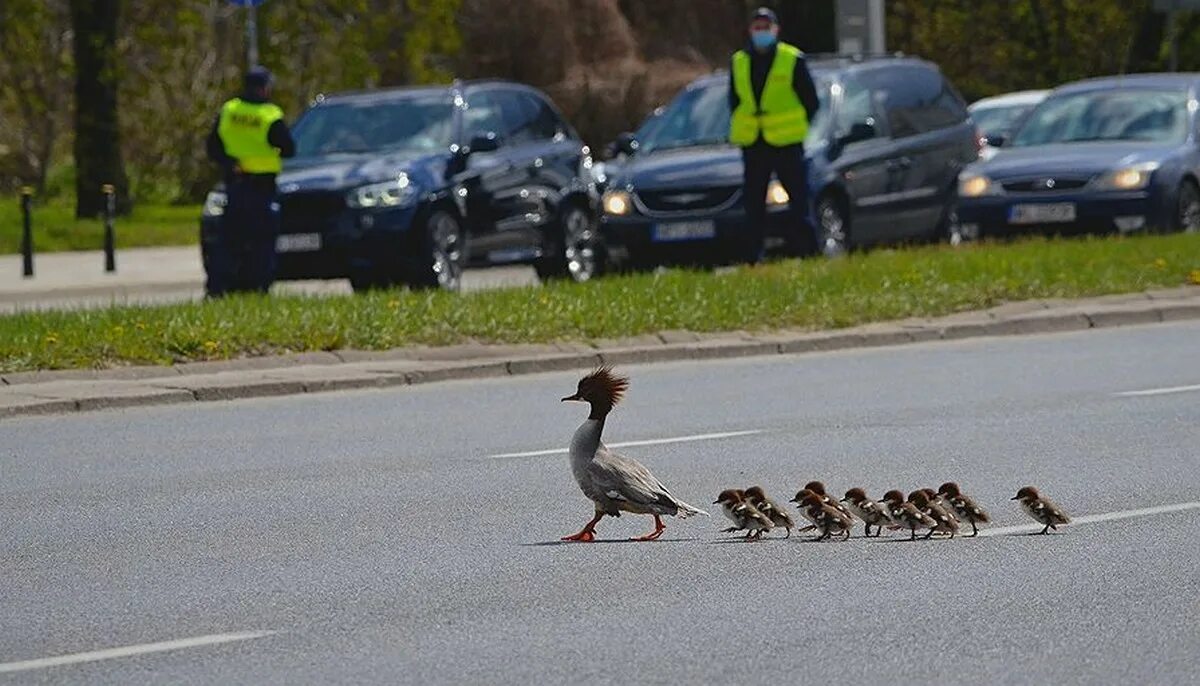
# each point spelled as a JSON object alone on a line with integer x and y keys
{"x": 995, "y": 140}
{"x": 626, "y": 143}
{"x": 484, "y": 142}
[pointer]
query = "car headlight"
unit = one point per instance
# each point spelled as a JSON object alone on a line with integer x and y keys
{"x": 1131, "y": 178}
{"x": 777, "y": 194}
{"x": 398, "y": 192}
{"x": 617, "y": 203}
{"x": 976, "y": 185}
{"x": 214, "y": 204}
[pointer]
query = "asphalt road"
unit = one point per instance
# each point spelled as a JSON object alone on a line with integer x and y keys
{"x": 380, "y": 539}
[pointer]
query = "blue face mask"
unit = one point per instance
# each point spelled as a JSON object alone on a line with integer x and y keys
{"x": 762, "y": 39}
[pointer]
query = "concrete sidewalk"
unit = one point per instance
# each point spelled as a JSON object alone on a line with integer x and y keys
{"x": 159, "y": 275}
{"x": 66, "y": 391}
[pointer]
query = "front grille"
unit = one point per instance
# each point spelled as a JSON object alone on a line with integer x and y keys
{"x": 1044, "y": 184}
{"x": 691, "y": 200}
{"x": 312, "y": 211}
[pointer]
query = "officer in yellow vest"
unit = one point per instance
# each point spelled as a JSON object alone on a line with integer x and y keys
{"x": 772, "y": 99}
{"x": 249, "y": 141}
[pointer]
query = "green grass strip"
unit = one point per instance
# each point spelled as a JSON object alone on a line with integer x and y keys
{"x": 55, "y": 228}
{"x": 814, "y": 294}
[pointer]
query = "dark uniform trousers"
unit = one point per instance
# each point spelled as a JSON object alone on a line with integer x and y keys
{"x": 241, "y": 255}
{"x": 788, "y": 164}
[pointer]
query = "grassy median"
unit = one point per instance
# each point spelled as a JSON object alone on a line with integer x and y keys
{"x": 816, "y": 294}
{"x": 56, "y": 229}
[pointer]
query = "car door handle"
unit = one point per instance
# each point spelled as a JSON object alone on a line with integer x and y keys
{"x": 899, "y": 163}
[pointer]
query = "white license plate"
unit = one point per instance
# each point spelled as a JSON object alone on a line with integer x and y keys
{"x": 298, "y": 242}
{"x": 685, "y": 231}
{"x": 1042, "y": 213}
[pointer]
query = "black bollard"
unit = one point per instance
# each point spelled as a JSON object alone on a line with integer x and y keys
{"x": 110, "y": 209}
{"x": 26, "y": 232}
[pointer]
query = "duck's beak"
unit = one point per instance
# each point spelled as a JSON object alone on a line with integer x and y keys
{"x": 572, "y": 397}
{"x": 716, "y": 502}
{"x": 1015, "y": 497}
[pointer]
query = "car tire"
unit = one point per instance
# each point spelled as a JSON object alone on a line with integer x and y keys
{"x": 833, "y": 226}
{"x": 444, "y": 254}
{"x": 951, "y": 231}
{"x": 1187, "y": 207}
{"x": 574, "y": 249}
{"x": 363, "y": 283}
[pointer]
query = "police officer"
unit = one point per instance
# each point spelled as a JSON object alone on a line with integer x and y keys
{"x": 248, "y": 140}
{"x": 772, "y": 99}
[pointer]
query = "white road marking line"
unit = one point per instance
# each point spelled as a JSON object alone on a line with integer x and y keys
{"x": 127, "y": 651}
{"x": 1093, "y": 518}
{"x": 1158, "y": 391}
{"x": 632, "y": 444}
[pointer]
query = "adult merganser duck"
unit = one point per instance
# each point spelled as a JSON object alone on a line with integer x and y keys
{"x": 963, "y": 506}
{"x": 615, "y": 483}
{"x": 1041, "y": 508}
{"x": 758, "y": 498}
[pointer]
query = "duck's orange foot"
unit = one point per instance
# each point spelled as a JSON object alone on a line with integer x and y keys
{"x": 585, "y": 536}
{"x": 659, "y": 528}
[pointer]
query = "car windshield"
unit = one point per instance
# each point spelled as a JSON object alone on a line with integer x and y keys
{"x": 998, "y": 119}
{"x": 1152, "y": 116}
{"x": 418, "y": 124}
{"x": 698, "y": 116}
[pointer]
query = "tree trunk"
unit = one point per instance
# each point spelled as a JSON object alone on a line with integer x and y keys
{"x": 97, "y": 141}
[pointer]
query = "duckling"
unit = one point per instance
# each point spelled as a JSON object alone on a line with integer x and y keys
{"x": 962, "y": 505}
{"x": 819, "y": 488}
{"x": 906, "y": 514}
{"x": 893, "y": 502}
{"x": 799, "y": 500}
{"x": 615, "y": 483}
{"x": 827, "y": 518}
{"x": 944, "y": 522}
{"x": 871, "y": 512}
{"x": 743, "y": 514}
{"x": 758, "y": 498}
{"x": 1041, "y": 508}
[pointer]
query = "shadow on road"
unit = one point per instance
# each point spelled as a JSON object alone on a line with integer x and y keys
{"x": 610, "y": 540}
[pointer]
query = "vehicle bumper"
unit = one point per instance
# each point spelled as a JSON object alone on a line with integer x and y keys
{"x": 349, "y": 242}
{"x": 1098, "y": 212}
{"x": 634, "y": 234}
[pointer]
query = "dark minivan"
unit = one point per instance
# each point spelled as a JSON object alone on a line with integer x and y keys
{"x": 408, "y": 186}
{"x": 884, "y": 154}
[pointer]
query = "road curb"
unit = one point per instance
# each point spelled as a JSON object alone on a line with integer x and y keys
{"x": 40, "y": 393}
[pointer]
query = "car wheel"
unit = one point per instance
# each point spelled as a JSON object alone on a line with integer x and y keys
{"x": 362, "y": 283}
{"x": 953, "y": 231}
{"x": 575, "y": 249}
{"x": 833, "y": 236}
{"x": 1187, "y": 215}
{"x": 445, "y": 245}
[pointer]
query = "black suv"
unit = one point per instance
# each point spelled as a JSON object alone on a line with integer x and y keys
{"x": 408, "y": 186}
{"x": 884, "y": 155}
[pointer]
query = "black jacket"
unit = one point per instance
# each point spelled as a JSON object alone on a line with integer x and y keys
{"x": 760, "y": 66}
{"x": 279, "y": 136}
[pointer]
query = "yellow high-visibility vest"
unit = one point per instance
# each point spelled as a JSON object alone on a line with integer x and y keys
{"x": 780, "y": 117}
{"x": 243, "y": 128}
